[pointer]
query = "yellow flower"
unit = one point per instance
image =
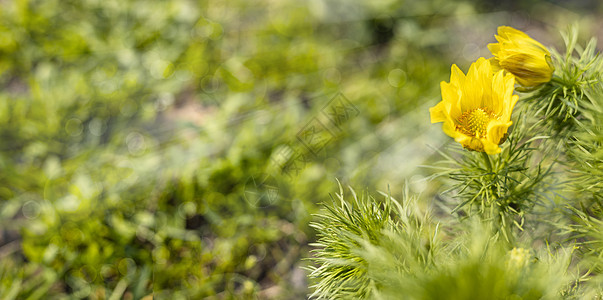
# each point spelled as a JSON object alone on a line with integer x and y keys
{"x": 522, "y": 56}
{"x": 476, "y": 108}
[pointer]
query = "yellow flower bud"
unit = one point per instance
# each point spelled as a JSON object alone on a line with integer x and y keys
{"x": 518, "y": 257}
{"x": 522, "y": 56}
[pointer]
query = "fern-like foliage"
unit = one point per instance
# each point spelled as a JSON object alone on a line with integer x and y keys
{"x": 585, "y": 207}
{"x": 584, "y": 148}
{"x": 342, "y": 272}
{"x": 562, "y": 99}
{"x": 346, "y": 227}
{"x": 371, "y": 249}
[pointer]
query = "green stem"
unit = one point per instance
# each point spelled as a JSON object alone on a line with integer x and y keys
{"x": 504, "y": 226}
{"x": 487, "y": 161}
{"x": 492, "y": 175}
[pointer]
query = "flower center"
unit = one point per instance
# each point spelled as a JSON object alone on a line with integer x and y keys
{"x": 475, "y": 122}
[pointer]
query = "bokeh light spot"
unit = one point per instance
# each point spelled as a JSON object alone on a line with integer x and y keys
{"x": 127, "y": 266}
{"x": 136, "y": 143}
{"x": 31, "y": 209}
{"x": 74, "y": 127}
{"x": 397, "y": 78}
{"x": 97, "y": 127}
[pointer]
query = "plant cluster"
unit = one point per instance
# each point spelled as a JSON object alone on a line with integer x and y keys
{"x": 522, "y": 216}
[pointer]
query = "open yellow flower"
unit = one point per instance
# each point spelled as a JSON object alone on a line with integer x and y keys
{"x": 476, "y": 108}
{"x": 522, "y": 56}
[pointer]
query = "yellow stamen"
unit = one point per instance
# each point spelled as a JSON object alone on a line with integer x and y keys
{"x": 475, "y": 122}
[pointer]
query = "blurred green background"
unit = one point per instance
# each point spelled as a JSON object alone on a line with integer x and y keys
{"x": 178, "y": 149}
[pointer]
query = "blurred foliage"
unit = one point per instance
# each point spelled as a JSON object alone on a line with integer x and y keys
{"x": 134, "y": 134}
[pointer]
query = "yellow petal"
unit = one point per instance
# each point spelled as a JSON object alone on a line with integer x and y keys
{"x": 494, "y": 48}
{"x": 438, "y": 113}
{"x": 490, "y": 148}
{"x": 449, "y": 129}
{"x": 472, "y": 90}
{"x": 497, "y": 101}
{"x": 497, "y": 131}
{"x": 456, "y": 75}
{"x": 508, "y": 107}
{"x": 451, "y": 94}
{"x": 469, "y": 142}
{"x": 510, "y": 32}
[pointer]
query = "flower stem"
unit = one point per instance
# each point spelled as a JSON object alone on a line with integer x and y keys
{"x": 487, "y": 161}
{"x": 490, "y": 176}
{"x": 504, "y": 225}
